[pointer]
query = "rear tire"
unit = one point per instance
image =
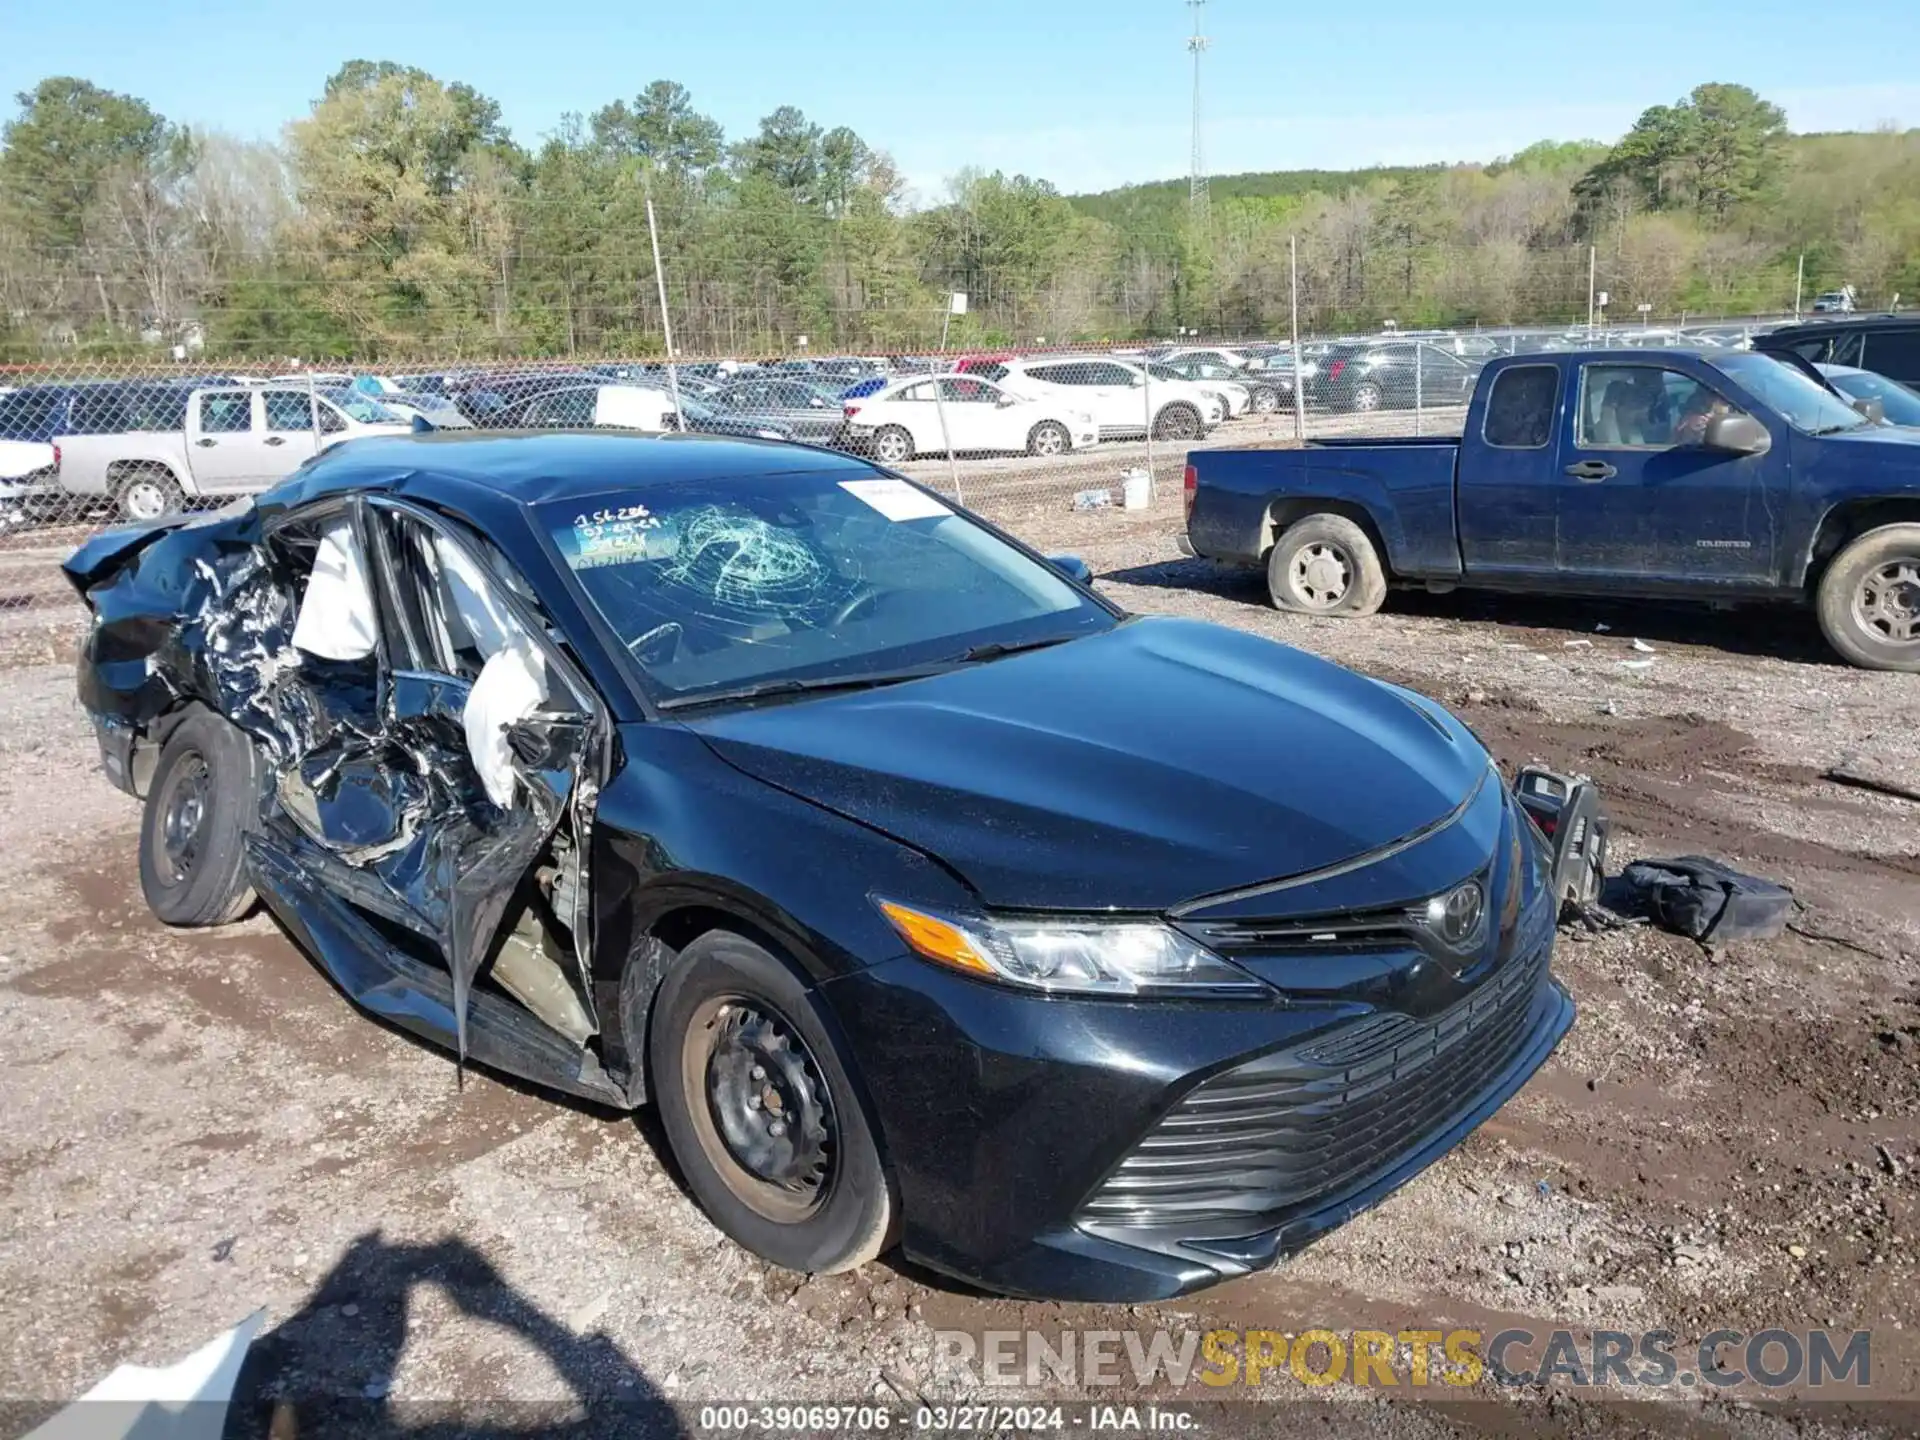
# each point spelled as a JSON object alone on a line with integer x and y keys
{"x": 765, "y": 1122}
{"x": 1868, "y": 600}
{"x": 205, "y": 796}
{"x": 892, "y": 446}
{"x": 1049, "y": 438}
{"x": 1326, "y": 565}
{"x": 1264, "y": 400}
{"x": 149, "y": 493}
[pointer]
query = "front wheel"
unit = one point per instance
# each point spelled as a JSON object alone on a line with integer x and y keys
{"x": 1326, "y": 565}
{"x": 1177, "y": 422}
{"x": 1368, "y": 397}
{"x": 1869, "y": 599}
{"x": 1049, "y": 437}
{"x": 1264, "y": 401}
{"x": 761, "y": 1113}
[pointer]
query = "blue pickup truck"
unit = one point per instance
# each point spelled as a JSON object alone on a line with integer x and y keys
{"x": 1639, "y": 473}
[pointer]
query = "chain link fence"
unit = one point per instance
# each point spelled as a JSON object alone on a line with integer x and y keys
{"x": 996, "y": 417}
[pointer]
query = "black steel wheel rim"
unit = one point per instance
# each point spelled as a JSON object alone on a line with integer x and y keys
{"x": 183, "y": 816}
{"x": 770, "y": 1111}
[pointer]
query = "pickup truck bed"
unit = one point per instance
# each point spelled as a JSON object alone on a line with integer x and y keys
{"x": 1635, "y": 473}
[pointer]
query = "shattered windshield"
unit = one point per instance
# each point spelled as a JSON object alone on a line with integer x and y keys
{"x": 716, "y": 584}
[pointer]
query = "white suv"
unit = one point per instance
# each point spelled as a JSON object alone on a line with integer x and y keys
{"x": 1117, "y": 394}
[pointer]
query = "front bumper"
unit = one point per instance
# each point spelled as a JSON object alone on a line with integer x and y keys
{"x": 1019, "y": 1126}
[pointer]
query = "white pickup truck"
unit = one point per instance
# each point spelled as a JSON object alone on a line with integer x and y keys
{"x": 231, "y": 439}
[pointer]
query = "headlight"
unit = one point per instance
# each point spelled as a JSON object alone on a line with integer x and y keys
{"x": 1086, "y": 957}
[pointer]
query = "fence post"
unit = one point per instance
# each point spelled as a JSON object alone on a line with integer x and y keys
{"x": 313, "y": 411}
{"x": 1146, "y": 391}
{"x": 1419, "y": 396}
{"x": 1293, "y": 313}
{"x": 946, "y": 436}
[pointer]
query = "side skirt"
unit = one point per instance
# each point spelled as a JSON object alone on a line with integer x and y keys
{"x": 415, "y": 996}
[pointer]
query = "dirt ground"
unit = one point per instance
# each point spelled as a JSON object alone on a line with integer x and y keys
{"x": 198, "y": 1125}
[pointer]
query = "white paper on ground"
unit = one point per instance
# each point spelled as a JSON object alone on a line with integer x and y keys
{"x": 895, "y": 499}
{"x": 184, "y": 1401}
{"x": 336, "y": 620}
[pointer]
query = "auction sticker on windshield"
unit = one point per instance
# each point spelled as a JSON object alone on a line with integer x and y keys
{"x": 895, "y": 499}
{"x": 612, "y": 537}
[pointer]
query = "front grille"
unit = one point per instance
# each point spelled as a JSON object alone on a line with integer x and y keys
{"x": 1308, "y": 1125}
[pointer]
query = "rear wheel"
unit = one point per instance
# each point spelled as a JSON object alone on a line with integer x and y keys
{"x": 1177, "y": 422}
{"x": 892, "y": 445}
{"x": 1049, "y": 437}
{"x": 761, "y": 1113}
{"x": 1869, "y": 599}
{"x": 1264, "y": 400}
{"x": 204, "y": 798}
{"x": 1326, "y": 565}
{"x": 149, "y": 493}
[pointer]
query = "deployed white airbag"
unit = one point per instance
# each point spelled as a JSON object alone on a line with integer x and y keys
{"x": 336, "y": 620}
{"x": 510, "y": 688}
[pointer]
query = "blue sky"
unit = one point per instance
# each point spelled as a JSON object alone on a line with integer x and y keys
{"x": 1087, "y": 93}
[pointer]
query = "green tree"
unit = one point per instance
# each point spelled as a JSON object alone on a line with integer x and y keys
{"x": 69, "y": 137}
{"x": 661, "y": 126}
{"x": 785, "y": 152}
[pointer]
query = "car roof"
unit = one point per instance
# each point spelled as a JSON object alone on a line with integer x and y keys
{"x": 1810, "y": 329}
{"x": 538, "y": 467}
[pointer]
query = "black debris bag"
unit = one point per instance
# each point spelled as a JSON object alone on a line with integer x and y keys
{"x": 1707, "y": 901}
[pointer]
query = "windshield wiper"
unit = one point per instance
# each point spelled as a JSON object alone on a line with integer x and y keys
{"x": 994, "y": 649}
{"x": 795, "y": 685}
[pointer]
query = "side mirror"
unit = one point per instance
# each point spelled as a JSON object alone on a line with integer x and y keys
{"x": 1007, "y": 402}
{"x": 1137, "y": 382}
{"x": 817, "y": 403}
{"x": 421, "y": 425}
{"x": 1737, "y": 435}
{"x": 1073, "y": 567}
{"x": 1874, "y": 410}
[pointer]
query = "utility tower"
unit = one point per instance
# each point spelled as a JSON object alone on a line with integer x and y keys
{"x": 1197, "y": 176}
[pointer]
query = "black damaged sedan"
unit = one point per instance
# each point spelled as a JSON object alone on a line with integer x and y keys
{"x": 933, "y": 900}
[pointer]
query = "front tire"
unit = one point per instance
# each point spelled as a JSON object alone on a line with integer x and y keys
{"x": 1367, "y": 397}
{"x": 761, "y": 1113}
{"x": 205, "y": 796}
{"x": 1869, "y": 599}
{"x": 1177, "y": 422}
{"x": 892, "y": 446}
{"x": 1264, "y": 401}
{"x": 1326, "y": 565}
{"x": 1049, "y": 438}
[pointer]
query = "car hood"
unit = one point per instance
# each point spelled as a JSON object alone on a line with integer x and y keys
{"x": 1156, "y": 763}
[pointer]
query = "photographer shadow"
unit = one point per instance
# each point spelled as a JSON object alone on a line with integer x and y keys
{"x": 328, "y": 1370}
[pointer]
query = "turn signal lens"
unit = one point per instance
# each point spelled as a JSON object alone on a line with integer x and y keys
{"x": 936, "y": 939}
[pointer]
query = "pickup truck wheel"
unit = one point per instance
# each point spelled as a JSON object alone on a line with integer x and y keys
{"x": 1869, "y": 599}
{"x": 1326, "y": 565}
{"x": 149, "y": 494}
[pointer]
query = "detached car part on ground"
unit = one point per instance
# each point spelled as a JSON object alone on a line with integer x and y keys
{"x": 931, "y": 899}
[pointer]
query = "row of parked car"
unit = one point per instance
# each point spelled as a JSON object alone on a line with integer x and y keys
{"x": 149, "y": 446}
